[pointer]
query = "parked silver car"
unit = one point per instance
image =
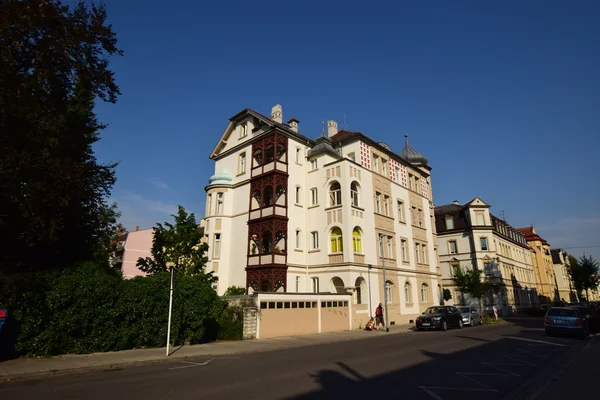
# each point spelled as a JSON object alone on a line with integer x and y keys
{"x": 470, "y": 316}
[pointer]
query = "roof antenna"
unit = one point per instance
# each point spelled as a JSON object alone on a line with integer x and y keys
{"x": 406, "y": 139}
{"x": 322, "y": 128}
{"x": 503, "y": 216}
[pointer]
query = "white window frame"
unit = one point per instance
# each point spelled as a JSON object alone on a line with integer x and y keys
{"x": 243, "y": 130}
{"x": 313, "y": 164}
{"x": 315, "y": 281}
{"x": 335, "y": 195}
{"x": 450, "y": 247}
{"x": 354, "y": 194}
{"x": 298, "y": 195}
{"x": 404, "y": 249}
{"x": 298, "y": 154}
{"x": 298, "y": 238}
{"x": 449, "y": 218}
{"x": 242, "y": 163}
{"x": 401, "y": 217}
{"x": 407, "y": 292}
{"x": 384, "y": 167}
{"x": 487, "y": 244}
{"x": 219, "y": 205}
{"x": 315, "y": 240}
{"x": 378, "y": 202}
{"x": 424, "y": 293}
{"x": 217, "y": 245}
{"x": 386, "y": 205}
{"x": 314, "y": 196}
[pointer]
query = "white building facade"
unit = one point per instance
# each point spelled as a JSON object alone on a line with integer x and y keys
{"x": 288, "y": 213}
{"x": 470, "y": 237}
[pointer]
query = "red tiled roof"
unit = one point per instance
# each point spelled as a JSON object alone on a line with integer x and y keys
{"x": 342, "y": 135}
{"x": 530, "y": 236}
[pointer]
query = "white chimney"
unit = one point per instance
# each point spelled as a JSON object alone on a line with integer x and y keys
{"x": 293, "y": 122}
{"x": 277, "y": 113}
{"x": 456, "y": 203}
{"x": 332, "y": 128}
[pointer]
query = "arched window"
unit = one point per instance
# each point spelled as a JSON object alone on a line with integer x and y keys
{"x": 336, "y": 285}
{"x": 269, "y": 153}
{"x": 336, "y": 240}
{"x": 219, "y": 203}
{"x": 360, "y": 290}
{"x": 256, "y": 197}
{"x": 267, "y": 243}
{"x": 268, "y": 196}
{"x": 298, "y": 195}
{"x": 335, "y": 194}
{"x": 408, "y": 292}
{"x": 424, "y": 293}
{"x": 354, "y": 193}
{"x": 357, "y": 241}
{"x": 389, "y": 291}
{"x": 258, "y": 157}
{"x": 265, "y": 286}
{"x": 281, "y": 155}
{"x": 298, "y": 236}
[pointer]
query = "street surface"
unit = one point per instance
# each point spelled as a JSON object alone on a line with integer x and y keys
{"x": 472, "y": 363}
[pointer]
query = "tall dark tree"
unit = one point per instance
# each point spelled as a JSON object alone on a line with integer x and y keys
{"x": 54, "y": 64}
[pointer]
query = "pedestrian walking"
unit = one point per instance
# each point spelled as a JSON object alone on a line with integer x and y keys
{"x": 379, "y": 316}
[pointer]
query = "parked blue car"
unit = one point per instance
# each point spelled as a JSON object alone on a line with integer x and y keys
{"x": 565, "y": 320}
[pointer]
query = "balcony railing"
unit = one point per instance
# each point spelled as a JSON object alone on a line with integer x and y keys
{"x": 266, "y": 259}
{"x": 269, "y": 211}
{"x": 336, "y": 258}
{"x": 273, "y": 165}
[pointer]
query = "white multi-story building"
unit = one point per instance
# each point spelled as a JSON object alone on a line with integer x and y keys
{"x": 288, "y": 213}
{"x": 470, "y": 237}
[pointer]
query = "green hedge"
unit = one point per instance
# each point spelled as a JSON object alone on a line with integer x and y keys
{"x": 92, "y": 309}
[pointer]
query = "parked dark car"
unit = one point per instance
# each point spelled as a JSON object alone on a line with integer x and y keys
{"x": 7, "y": 334}
{"x": 440, "y": 317}
{"x": 566, "y": 320}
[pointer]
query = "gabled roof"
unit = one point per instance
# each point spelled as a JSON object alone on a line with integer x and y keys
{"x": 262, "y": 119}
{"x": 477, "y": 202}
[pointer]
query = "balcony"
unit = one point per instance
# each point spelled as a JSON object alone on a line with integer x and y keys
{"x": 269, "y": 211}
{"x": 336, "y": 258}
{"x": 268, "y": 167}
{"x": 266, "y": 259}
{"x": 359, "y": 258}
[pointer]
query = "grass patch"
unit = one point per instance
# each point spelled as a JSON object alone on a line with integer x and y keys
{"x": 492, "y": 320}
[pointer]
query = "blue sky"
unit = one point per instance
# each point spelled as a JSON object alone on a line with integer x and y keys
{"x": 503, "y": 97}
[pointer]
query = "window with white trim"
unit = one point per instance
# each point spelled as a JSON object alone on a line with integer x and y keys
{"x": 314, "y": 196}
{"x": 315, "y": 240}
{"x": 217, "y": 246}
{"x": 242, "y": 163}
{"x": 452, "y": 247}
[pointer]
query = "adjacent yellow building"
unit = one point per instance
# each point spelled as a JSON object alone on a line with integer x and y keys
{"x": 543, "y": 265}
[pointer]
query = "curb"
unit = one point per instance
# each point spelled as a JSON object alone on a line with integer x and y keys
{"x": 115, "y": 366}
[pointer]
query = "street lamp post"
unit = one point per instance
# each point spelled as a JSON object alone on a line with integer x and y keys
{"x": 385, "y": 299}
{"x": 370, "y": 304}
{"x": 170, "y": 309}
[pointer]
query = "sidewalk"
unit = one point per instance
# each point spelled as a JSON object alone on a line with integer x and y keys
{"x": 67, "y": 364}
{"x": 579, "y": 379}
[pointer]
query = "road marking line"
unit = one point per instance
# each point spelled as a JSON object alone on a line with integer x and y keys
{"x": 191, "y": 366}
{"x": 520, "y": 361}
{"x": 492, "y": 365}
{"x": 459, "y": 389}
{"x": 476, "y": 381}
{"x": 536, "y": 341}
{"x": 429, "y": 392}
{"x": 531, "y": 353}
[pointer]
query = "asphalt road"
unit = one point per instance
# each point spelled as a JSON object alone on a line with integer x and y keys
{"x": 481, "y": 362}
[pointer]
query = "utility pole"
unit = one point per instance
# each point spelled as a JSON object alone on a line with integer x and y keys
{"x": 385, "y": 299}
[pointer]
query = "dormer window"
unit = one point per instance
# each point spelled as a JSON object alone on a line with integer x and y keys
{"x": 243, "y": 130}
{"x": 449, "y": 222}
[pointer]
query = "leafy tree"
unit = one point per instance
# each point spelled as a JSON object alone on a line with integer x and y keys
{"x": 177, "y": 246}
{"x": 235, "y": 291}
{"x": 447, "y": 295}
{"x": 470, "y": 282}
{"x": 584, "y": 274}
{"x": 53, "y": 66}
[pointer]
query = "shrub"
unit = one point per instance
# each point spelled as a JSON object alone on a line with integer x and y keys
{"x": 90, "y": 308}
